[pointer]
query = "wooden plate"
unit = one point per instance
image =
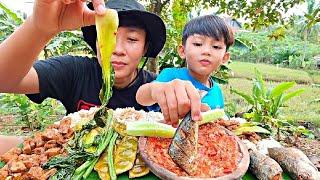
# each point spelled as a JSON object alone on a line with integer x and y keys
{"x": 163, "y": 173}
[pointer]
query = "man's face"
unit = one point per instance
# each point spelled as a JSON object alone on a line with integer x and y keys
{"x": 130, "y": 47}
{"x": 203, "y": 54}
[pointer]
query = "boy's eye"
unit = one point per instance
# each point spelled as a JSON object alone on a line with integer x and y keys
{"x": 216, "y": 47}
{"x": 197, "y": 44}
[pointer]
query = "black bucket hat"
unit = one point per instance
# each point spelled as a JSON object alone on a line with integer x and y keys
{"x": 152, "y": 23}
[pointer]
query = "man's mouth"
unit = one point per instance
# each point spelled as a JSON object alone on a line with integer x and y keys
{"x": 118, "y": 64}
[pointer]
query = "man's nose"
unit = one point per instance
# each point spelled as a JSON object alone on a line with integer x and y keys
{"x": 119, "y": 49}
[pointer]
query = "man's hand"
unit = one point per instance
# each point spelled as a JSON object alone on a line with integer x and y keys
{"x": 53, "y": 16}
{"x": 175, "y": 99}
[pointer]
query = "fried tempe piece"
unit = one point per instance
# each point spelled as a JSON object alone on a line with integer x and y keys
{"x": 11, "y": 154}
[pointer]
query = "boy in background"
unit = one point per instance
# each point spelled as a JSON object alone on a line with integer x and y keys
{"x": 205, "y": 44}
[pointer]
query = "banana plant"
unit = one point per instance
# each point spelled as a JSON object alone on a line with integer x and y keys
{"x": 266, "y": 102}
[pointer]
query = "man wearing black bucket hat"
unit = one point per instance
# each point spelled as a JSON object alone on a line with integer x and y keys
{"x": 75, "y": 80}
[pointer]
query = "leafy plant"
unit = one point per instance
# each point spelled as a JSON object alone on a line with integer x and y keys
{"x": 285, "y": 56}
{"x": 9, "y": 21}
{"x": 266, "y": 103}
{"x": 63, "y": 43}
{"x": 33, "y": 116}
{"x": 66, "y": 42}
{"x": 301, "y": 130}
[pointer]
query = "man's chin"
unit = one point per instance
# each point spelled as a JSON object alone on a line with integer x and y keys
{"x": 120, "y": 76}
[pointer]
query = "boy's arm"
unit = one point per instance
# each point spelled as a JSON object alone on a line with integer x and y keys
{"x": 18, "y": 52}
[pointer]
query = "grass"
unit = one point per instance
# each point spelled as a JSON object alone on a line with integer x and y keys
{"x": 301, "y": 108}
{"x": 315, "y": 75}
{"x": 270, "y": 72}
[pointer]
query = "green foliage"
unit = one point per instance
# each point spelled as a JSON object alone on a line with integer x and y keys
{"x": 175, "y": 24}
{"x": 222, "y": 75}
{"x": 266, "y": 102}
{"x": 63, "y": 43}
{"x": 260, "y": 12}
{"x": 278, "y": 33}
{"x": 230, "y": 109}
{"x": 9, "y": 21}
{"x": 15, "y": 17}
{"x": 244, "y": 44}
{"x": 66, "y": 42}
{"x": 289, "y": 51}
{"x": 2, "y": 164}
{"x": 301, "y": 130}
{"x": 312, "y": 16}
{"x": 33, "y": 116}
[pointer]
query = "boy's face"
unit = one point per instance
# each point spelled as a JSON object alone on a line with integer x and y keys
{"x": 203, "y": 54}
{"x": 130, "y": 47}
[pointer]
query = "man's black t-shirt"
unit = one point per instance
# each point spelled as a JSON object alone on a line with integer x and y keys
{"x": 76, "y": 82}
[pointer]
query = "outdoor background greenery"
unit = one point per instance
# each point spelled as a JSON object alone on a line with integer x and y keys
{"x": 282, "y": 49}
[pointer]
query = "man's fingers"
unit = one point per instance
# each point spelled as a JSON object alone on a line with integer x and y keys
{"x": 172, "y": 104}
{"x": 99, "y": 6}
{"x": 195, "y": 100}
{"x": 88, "y": 17}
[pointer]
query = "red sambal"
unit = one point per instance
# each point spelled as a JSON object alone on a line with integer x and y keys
{"x": 218, "y": 153}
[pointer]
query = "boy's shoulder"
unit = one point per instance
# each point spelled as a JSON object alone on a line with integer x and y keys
{"x": 174, "y": 70}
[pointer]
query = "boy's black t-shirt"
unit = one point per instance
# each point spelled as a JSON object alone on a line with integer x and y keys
{"x": 76, "y": 82}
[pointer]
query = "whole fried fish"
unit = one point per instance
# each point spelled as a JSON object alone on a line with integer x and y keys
{"x": 295, "y": 162}
{"x": 184, "y": 145}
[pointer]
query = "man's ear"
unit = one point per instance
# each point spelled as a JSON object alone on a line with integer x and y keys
{"x": 226, "y": 57}
{"x": 181, "y": 51}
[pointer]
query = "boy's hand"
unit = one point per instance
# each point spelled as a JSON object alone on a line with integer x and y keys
{"x": 175, "y": 99}
{"x": 53, "y": 16}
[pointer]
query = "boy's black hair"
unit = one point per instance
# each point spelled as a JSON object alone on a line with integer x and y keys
{"x": 211, "y": 26}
